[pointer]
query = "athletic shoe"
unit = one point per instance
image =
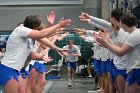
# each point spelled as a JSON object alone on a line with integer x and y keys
{"x": 69, "y": 86}
{"x": 90, "y": 76}
{"x": 100, "y": 91}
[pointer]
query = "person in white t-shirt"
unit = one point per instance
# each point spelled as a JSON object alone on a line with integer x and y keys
{"x": 18, "y": 49}
{"x": 71, "y": 59}
{"x": 38, "y": 68}
{"x": 131, "y": 48}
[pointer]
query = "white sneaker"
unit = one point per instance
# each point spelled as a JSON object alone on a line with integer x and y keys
{"x": 69, "y": 83}
{"x": 100, "y": 90}
{"x": 92, "y": 92}
{"x": 90, "y": 76}
{"x": 69, "y": 86}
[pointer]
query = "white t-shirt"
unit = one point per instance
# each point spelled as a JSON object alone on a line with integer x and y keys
{"x": 133, "y": 57}
{"x": 90, "y": 39}
{"x": 96, "y": 51}
{"x": 114, "y": 39}
{"x": 74, "y": 50}
{"x": 120, "y": 37}
{"x": 36, "y": 50}
{"x": 18, "y": 48}
{"x": 104, "y": 54}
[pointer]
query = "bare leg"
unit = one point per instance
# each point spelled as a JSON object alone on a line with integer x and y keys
{"x": 32, "y": 79}
{"x": 134, "y": 88}
{"x": 111, "y": 86}
{"x": 69, "y": 75}
{"x": 106, "y": 84}
{"x": 27, "y": 80}
{"x": 22, "y": 85}
{"x": 11, "y": 86}
{"x": 126, "y": 88}
{"x": 38, "y": 83}
{"x": 102, "y": 84}
{"x": 120, "y": 84}
{"x": 116, "y": 88}
{"x": 89, "y": 72}
{"x": 73, "y": 76}
{"x": 43, "y": 81}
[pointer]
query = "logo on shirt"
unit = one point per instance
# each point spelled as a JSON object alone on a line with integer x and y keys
{"x": 29, "y": 44}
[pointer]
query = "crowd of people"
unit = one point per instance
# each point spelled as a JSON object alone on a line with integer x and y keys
{"x": 116, "y": 51}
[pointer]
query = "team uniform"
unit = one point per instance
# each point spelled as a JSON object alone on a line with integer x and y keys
{"x": 104, "y": 59}
{"x": 37, "y": 64}
{"x": 18, "y": 49}
{"x": 96, "y": 49}
{"x": 71, "y": 60}
{"x": 119, "y": 62}
{"x": 133, "y": 58}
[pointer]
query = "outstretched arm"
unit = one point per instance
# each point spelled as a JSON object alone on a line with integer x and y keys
{"x": 35, "y": 34}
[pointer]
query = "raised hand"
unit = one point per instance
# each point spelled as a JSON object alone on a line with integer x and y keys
{"x": 51, "y": 17}
{"x": 60, "y": 29}
{"x": 64, "y": 23}
{"x": 85, "y": 20}
{"x": 103, "y": 41}
{"x": 66, "y": 34}
{"x": 47, "y": 59}
{"x": 65, "y": 53}
{"x": 82, "y": 36}
{"x": 61, "y": 50}
{"x": 80, "y": 31}
{"x": 84, "y": 17}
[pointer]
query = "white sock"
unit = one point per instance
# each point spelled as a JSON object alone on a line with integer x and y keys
{"x": 69, "y": 80}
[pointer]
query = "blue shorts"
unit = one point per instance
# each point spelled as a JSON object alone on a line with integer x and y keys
{"x": 110, "y": 65}
{"x": 133, "y": 77}
{"x": 119, "y": 72}
{"x": 40, "y": 67}
{"x": 97, "y": 67}
{"x": 6, "y": 73}
{"x": 111, "y": 69}
{"x": 93, "y": 60}
{"x": 71, "y": 65}
{"x": 112, "y": 73}
{"x": 24, "y": 73}
{"x": 104, "y": 66}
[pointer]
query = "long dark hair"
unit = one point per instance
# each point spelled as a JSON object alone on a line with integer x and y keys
{"x": 32, "y": 21}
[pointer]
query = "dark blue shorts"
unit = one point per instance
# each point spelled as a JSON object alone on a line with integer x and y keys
{"x": 133, "y": 77}
{"x": 119, "y": 72}
{"x": 6, "y": 73}
{"x": 40, "y": 67}
{"x": 97, "y": 67}
{"x": 111, "y": 69}
{"x": 24, "y": 73}
{"x": 104, "y": 66}
{"x": 71, "y": 65}
{"x": 110, "y": 65}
